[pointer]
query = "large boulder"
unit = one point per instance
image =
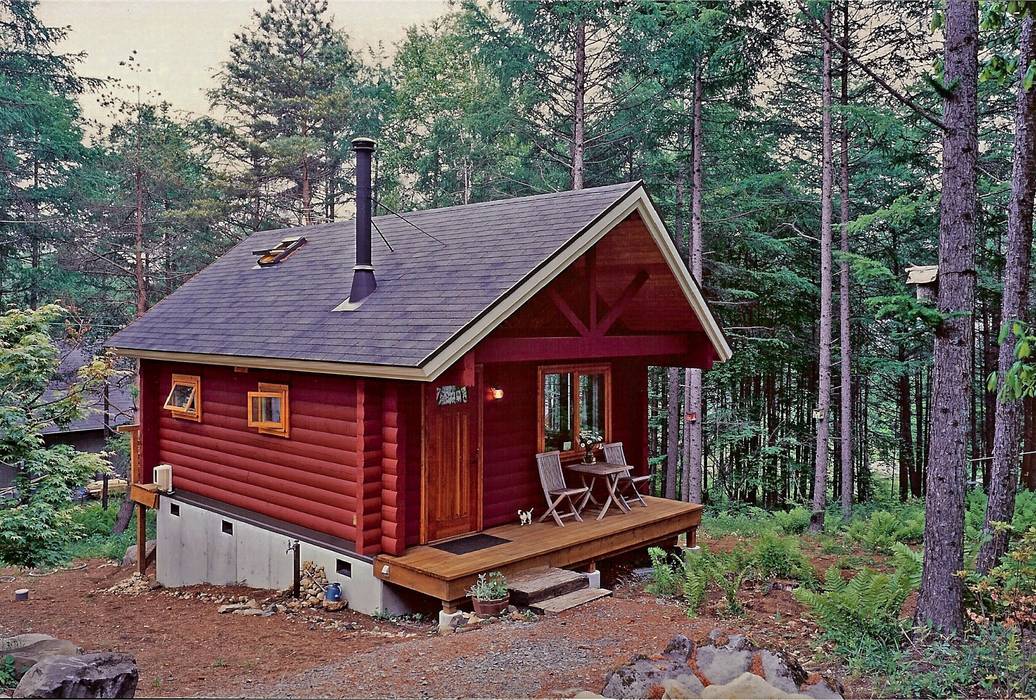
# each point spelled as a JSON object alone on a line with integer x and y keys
{"x": 717, "y": 664}
{"x": 30, "y": 655}
{"x": 103, "y": 675}
{"x": 130, "y": 557}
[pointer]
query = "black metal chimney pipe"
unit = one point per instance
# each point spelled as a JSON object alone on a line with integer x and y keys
{"x": 363, "y": 272}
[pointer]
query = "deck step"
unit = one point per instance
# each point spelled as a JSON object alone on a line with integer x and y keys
{"x": 568, "y": 601}
{"x": 530, "y": 587}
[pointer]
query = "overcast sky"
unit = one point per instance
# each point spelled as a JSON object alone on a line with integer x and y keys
{"x": 182, "y": 42}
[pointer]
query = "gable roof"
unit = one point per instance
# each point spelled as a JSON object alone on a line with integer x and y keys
{"x": 435, "y": 300}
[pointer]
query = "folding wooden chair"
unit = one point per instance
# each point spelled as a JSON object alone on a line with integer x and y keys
{"x": 552, "y": 479}
{"x": 613, "y": 454}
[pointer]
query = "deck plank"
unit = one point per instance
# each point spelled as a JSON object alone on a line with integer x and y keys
{"x": 445, "y": 575}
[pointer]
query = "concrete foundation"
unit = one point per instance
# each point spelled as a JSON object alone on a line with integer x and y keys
{"x": 197, "y": 545}
{"x": 593, "y": 579}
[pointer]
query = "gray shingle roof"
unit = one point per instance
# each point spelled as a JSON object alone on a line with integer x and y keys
{"x": 427, "y": 292}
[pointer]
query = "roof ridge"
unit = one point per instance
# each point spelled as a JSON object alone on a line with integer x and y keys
{"x": 624, "y": 186}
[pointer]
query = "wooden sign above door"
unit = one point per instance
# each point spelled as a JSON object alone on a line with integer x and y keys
{"x": 451, "y": 395}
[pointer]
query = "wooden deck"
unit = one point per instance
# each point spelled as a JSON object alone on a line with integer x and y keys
{"x": 447, "y": 576}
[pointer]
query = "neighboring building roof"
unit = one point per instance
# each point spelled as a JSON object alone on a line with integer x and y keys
{"x": 120, "y": 399}
{"x": 435, "y": 298}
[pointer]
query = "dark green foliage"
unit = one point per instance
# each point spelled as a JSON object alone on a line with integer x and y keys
{"x": 7, "y": 677}
{"x": 882, "y": 530}
{"x": 781, "y": 557}
{"x": 792, "y": 522}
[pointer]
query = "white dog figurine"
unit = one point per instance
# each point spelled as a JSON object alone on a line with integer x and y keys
{"x": 525, "y": 516}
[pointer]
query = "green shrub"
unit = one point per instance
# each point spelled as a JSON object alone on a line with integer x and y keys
{"x": 780, "y": 557}
{"x": 729, "y": 571}
{"x": 695, "y": 581}
{"x": 7, "y": 677}
{"x": 883, "y": 529}
{"x": 861, "y": 615}
{"x": 664, "y": 578}
{"x": 489, "y": 587}
{"x": 792, "y": 522}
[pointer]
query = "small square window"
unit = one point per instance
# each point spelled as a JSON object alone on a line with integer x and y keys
{"x": 184, "y": 399}
{"x": 268, "y": 409}
{"x": 228, "y": 527}
{"x": 174, "y": 510}
{"x": 343, "y": 568}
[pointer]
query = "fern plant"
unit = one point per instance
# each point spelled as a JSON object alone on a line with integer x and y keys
{"x": 792, "y": 522}
{"x": 863, "y": 613}
{"x": 695, "y": 581}
{"x": 729, "y": 571}
{"x": 882, "y": 530}
{"x": 664, "y": 579}
{"x": 780, "y": 557}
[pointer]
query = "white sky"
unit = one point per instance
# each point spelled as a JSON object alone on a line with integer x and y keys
{"x": 182, "y": 42}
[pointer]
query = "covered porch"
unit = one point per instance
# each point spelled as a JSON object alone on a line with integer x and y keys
{"x": 441, "y": 574}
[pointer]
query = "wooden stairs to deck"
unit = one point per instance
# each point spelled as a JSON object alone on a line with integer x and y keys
{"x": 551, "y": 591}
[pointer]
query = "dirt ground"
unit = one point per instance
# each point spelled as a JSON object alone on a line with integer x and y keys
{"x": 185, "y": 648}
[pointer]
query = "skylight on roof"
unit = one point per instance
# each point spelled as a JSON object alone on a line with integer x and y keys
{"x": 272, "y": 256}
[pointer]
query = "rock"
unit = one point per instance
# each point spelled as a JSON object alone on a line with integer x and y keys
{"x": 685, "y": 686}
{"x": 586, "y": 694}
{"x": 9, "y": 645}
{"x": 722, "y": 664}
{"x": 688, "y": 670}
{"x": 333, "y": 606}
{"x": 824, "y": 689}
{"x": 131, "y": 552}
{"x": 28, "y": 656}
{"x": 644, "y": 676}
{"x": 103, "y": 675}
{"x": 747, "y": 686}
{"x": 781, "y": 670}
{"x": 232, "y": 607}
{"x": 248, "y": 611}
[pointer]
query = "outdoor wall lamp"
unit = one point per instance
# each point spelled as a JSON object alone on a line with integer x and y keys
{"x": 495, "y": 394}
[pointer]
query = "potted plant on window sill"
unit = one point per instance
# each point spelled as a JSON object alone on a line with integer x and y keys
{"x": 489, "y": 595}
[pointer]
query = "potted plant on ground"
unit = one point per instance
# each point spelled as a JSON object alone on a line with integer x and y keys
{"x": 489, "y": 595}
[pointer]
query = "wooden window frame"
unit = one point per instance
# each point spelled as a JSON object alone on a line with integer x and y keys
{"x": 279, "y": 391}
{"x": 193, "y": 381}
{"x": 576, "y": 371}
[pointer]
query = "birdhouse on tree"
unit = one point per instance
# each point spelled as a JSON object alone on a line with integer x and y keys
{"x": 926, "y": 279}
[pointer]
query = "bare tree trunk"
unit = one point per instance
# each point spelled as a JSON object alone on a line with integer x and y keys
{"x": 672, "y": 450}
{"x": 1009, "y": 413}
{"x": 845, "y": 373}
{"x": 693, "y": 428}
{"x": 906, "y": 447}
{"x": 824, "y": 373}
{"x": 940, "y": 602}
{"x": 579, "y": 107}
{"x": 138, "y": 242}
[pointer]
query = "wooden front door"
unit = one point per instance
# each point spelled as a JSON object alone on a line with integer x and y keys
{"x": 451, "y": 488}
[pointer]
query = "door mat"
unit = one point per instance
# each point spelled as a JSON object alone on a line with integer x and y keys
{"x": 471, "y": 543}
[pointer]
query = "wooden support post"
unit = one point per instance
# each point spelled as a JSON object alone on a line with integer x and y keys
{"x": 450, "y": 606}
{"x": 141, "y": 539}
{"x": 692, "y": 538}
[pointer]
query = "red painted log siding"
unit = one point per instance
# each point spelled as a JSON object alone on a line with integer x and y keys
{"x": 400, "y": 420}
{"x": 509, "y": 466}
{"x": 312, "y": 479}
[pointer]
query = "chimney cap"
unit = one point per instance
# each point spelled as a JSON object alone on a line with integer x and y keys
{"x": 364, "y": 143}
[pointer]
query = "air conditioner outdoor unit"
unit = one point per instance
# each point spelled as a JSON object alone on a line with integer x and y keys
{"x": 164, "y": 478}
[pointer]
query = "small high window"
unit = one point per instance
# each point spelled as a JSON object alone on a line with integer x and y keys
{"x": 268, "y": 409}
{"x": 184, "y": 399}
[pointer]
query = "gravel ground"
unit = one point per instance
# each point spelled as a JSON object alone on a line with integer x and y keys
{"x": 185, "y": 648}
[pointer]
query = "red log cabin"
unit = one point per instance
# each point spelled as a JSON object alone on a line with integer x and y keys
{"x": 297, "y": 396}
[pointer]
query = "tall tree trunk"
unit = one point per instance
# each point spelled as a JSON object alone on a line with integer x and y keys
{"x": 940, "y": 602}
{"x": 138, "y": 240}
{"x": 35, "y": 253}
{"x": 672, "y": 451}
{"x": 824, "y": 373}
{"x": 906, "y": 447}
{"x": 1009, "y": 412}
{"x": 845, "y": 372}
{"x": 579, "y": 106}
{"x": 693, "y": 403}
